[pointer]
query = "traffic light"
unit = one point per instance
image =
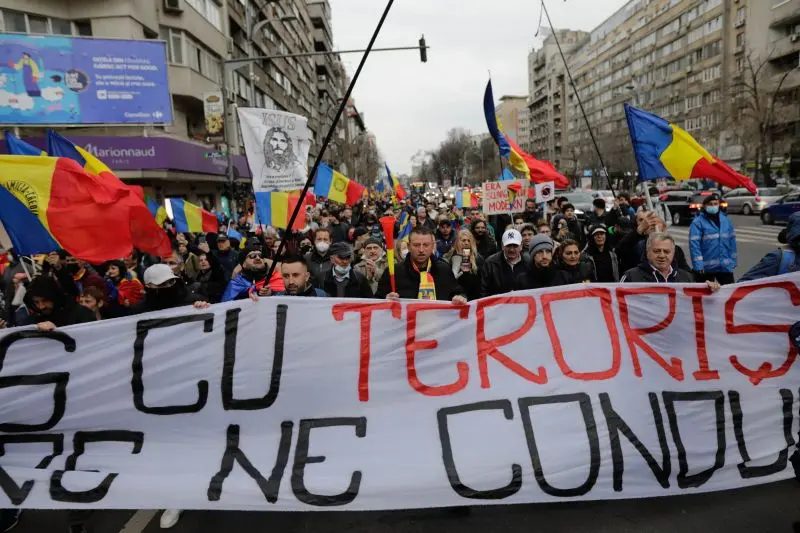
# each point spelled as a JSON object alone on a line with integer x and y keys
{"x": 423, "y": 50}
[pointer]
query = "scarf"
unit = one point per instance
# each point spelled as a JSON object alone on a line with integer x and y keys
{"x": 427, "y": 286}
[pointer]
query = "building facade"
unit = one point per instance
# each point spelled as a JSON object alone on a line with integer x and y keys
{"x": 685, "y": 60}
{"x": 176, "y": 159}
{"x": 547, "y": 93}
{"x": 508, "y": 113}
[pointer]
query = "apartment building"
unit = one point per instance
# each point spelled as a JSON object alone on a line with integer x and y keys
{"x": 547, "y": 94}
{"x": 508, "y": 113}
{"x": 684, "y": 60}
{"x": 175, "y": 159}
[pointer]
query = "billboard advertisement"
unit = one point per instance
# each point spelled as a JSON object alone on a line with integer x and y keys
{"x": 76, "y": 80}
{"x": 214, "y": 110}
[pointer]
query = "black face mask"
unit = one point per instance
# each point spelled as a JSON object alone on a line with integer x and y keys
{"x": 72, "y": 268}
{"x": 252, "y": 274}
{"x": 164, "y": 298}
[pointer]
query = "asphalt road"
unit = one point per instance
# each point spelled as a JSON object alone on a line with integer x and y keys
{"x": 763, "y": 509}
{"x": 753, "y": 239}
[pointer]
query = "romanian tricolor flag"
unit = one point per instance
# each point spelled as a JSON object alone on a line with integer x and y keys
{"x": 664, "y": 150}
{"x": 190, "y": 218}
{"x": 531, "y": 168}
{"x": 466, "y": 199}
{"x": 148, "y": 234}
{"x": 404, "y": 226}
{"x": 275, "y": 208}
{"x": 156, "y": 209}
{"x": 398, "y": 189}
{"x": 48, "y": 203}
{"x": 334, "y": 186}
{"x": 17, "y": 146}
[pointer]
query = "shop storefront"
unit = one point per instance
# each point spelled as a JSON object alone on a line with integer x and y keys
{"x": 164, "y": 166}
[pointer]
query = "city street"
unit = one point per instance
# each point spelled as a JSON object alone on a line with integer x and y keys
{"x": 765, "y": 509}
{"x": 754, "y": 240}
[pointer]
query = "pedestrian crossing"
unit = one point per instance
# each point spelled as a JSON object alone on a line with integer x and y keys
{"x": 764, "y": 235}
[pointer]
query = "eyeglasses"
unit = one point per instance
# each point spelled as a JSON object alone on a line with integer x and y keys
{"x": 254, "y": 255}
{"x": 165, "y": 285}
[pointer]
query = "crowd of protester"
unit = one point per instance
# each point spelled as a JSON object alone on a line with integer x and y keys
{"x": 449, "y": 254}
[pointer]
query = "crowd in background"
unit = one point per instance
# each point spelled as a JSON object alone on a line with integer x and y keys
{"x": 441, "y": 253}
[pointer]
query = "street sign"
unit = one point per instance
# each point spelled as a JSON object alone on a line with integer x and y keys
{"x": 215, "y": 155}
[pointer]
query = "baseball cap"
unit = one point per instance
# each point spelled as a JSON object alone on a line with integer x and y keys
{"x": 600, "y": 228}
{"x": 222, "y": 237}
{"x": 710, "y": 198}
{"x": 158, "y": 274}
{"x": 512, "y": 236}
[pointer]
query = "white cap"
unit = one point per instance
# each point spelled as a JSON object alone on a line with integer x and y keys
{"x": 158, "y": 274}
{"x": 512, "y": 236}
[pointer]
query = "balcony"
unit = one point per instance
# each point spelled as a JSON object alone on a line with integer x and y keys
{"x": 186, "y": 82}
{"x": 786, "y": 46}
{"x": 792, "y": 81}
{"x": 786, "y": 13}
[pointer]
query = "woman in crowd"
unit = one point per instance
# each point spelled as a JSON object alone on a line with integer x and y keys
{"x": 466, "y": 263}
{"x": 602, "y": 256}
{"x": 210, "y": 282}
{"x": 124, "y": 289}
{"x": 191, "y": 265}
{"x": 569, "y": 261}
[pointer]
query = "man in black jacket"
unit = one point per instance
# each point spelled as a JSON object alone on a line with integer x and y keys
{"x": 420, "y": 276}
{"x": 631, "y": 247}
{"x": 542, "y": 272}
{"x": 342, "y": 281}
{"x": 657, "y": 268}
{"x": 501, "y": 271}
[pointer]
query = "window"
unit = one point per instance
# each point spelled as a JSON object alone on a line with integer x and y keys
{"x": 693, "y": 102}
{"x": 209, "y": 10}
{"x": 14, "y": 21}
{"x": 83, "y": 28}
{"x": 60, "y": 26}
{"x": 741, "y": 14}
{"x": 37, "y": 24}
{"x": 740, "y": 40}
{"x": 174, "y": 39}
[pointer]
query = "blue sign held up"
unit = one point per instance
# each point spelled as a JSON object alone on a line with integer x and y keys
{"x": 75, "y": 80}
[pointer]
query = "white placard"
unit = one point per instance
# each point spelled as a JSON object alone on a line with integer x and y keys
{"x": 545, "y": 192}
{"x": 584, "y": 392}
{"x": 497, "y": 197}
{"x": 277, "y": 145}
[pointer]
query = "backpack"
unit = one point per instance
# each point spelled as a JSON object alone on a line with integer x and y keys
{"x": 787, "y": 262}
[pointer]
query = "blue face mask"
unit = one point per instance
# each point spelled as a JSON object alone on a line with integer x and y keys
{"x": 712, "y": 209}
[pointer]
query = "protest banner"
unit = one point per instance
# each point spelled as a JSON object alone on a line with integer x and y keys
{"x": 276, "y": 144}
{"x": 498, "y": 201}
{"x": 321, "y": 404}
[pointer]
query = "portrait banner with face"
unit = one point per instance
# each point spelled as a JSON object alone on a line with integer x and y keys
{"x": 277, "y": 145}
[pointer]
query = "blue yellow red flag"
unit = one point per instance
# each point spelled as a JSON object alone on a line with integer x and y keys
{"x": 664, "y": 150}
{"x": 17, "y": 146}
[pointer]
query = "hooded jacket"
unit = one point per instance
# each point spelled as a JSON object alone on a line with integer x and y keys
{"x": 540, "y": 278}
{"x": 318, "y": 265}
{"x": 65, "y": 311}
{"x": 770, "y": 264}
{"x": 607, "y": 259}
{"x": 499, "y": 277}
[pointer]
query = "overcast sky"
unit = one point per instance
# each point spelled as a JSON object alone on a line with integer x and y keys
{"x": 410, "y": 106}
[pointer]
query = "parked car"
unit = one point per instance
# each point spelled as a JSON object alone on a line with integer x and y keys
{"x": 685, "y": 205}
{"x": 743, "y": 201}
{"x": 582, "y": 202}
{"x": 782, "y": 209}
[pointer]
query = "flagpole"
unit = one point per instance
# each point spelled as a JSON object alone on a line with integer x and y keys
{"x": 578, "y": 98}
{"x": 329, "y": 136}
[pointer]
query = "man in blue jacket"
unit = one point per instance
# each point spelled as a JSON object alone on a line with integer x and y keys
{"x": 780, "y": 260}
{"x": 712, "y": 244}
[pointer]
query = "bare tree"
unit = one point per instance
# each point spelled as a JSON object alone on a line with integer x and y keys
{"x": 759, "y": 105}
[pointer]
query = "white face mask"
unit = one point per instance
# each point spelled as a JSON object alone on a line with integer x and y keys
{"x": 434, "y": 214}
{"x": 403, "y": 254}
{"x": 322, "y": 246}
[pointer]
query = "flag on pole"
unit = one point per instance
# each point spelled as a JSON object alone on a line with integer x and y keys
{"x": 17, "y": 146}
{"x": 275, "y": 208}
{"x": 398, "y": 189}
{"x": 664, "y": 150}
{"x": 404, "y": 226}
{"x": 190, "y": 218}
{"x": 333, "y": 185}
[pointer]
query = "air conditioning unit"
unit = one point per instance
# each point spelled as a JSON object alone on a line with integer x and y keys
{"x": 173, "y": 6}
{"x": 739, "y": 23}
{"x": 794, "y": 38}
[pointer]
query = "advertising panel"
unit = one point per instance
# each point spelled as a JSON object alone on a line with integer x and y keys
{"x": 75, "y": 80}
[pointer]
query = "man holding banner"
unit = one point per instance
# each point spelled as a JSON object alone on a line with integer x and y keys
{"x": 421, "y": 276}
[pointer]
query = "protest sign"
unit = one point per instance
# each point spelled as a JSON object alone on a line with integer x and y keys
{"x": 497, "y": 200}
{"x": 320, "y": 404}
{"x": 277, "y": 144}
{"x": 545, "y": 192}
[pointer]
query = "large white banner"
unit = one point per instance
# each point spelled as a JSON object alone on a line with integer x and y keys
{"x": 277, "y": 145}
{"x": 579, "y": 393}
